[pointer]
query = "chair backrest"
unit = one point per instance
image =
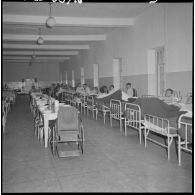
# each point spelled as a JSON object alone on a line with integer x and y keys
{"x": 90, "y": 101}
{"x": 67, "y": 118}
{"x": 134, "y": 92}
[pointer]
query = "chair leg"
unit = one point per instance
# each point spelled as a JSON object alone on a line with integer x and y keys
{"x": 104, "y": 113}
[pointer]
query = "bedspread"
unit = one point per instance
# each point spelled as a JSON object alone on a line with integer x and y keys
{"x": 106, "y": 100}
{"x": 156, "y": 107}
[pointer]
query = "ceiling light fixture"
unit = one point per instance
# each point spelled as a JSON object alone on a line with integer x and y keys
{"x": 33, "y": 57}
{"x": 50, "y": 22}
{"x": 40, "y": 40}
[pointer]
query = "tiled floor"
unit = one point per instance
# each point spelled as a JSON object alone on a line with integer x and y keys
{"x": 111, "y": 161}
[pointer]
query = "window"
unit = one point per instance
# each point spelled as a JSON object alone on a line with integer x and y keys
{"x": 160, "y": 67}
{"x": 117, "y": 66}
{"x": 96, "y": 75}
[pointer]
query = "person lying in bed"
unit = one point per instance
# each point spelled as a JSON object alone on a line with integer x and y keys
{"x": 111, "y": 89}
{"x": 186, "y": 103}
{"x": 169, "y": 93}
{"x": 103, "y": 92}
{"x": 94, "y": 91}
{"x": 169, "y": 97}
{"x": 86, "y": 88}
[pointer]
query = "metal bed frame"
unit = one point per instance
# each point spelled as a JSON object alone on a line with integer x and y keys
{"x": 159, "y": 126}
{"x": 184, "y": 142}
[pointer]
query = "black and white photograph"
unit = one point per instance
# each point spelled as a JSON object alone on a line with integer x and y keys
{"x": 97, "y": 96}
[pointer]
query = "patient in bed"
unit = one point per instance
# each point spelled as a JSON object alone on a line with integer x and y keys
{"x": 169, "y": 97}
{"x": 186, "y": 103}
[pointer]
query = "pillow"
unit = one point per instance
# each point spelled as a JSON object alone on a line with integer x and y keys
{"x": 125, "y": 96}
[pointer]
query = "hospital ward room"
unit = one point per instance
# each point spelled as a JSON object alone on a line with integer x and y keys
{"x": 97, "y": 97}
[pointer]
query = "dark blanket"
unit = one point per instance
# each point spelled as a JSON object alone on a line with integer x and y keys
{"x": 182, "y": 129}
{"x": 157, "y": 107}
{"x": 117, "y": 95}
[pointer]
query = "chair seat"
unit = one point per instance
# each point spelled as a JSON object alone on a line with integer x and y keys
{"x": 68, "y": 136}
{"x": 63, "y": 154}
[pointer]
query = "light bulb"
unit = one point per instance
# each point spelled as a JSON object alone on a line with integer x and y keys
{"x": 40, "y": 40}
{"x": 50, "y": 22}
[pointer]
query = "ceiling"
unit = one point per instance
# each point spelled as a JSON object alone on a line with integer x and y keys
{"x": 77, "y": 27}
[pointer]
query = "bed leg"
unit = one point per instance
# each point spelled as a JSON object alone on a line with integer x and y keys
{"x": 125, "y": 127}
{"x": 140, "y": 135}
{"x": 120, "y": 124}
{"x": 96, "y": 114}
{"x": 176, "y": 145}
{"x": 145, "y": 135}
{"x": 110, "y": 120}
{"x": 179, "y": 150}
{"x": 169, "y": 144}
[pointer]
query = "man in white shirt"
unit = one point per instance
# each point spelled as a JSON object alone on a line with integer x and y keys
{"x": 79, "y": 89}
{"x": 129, "y": 90}
{"x": 86, "y": 89}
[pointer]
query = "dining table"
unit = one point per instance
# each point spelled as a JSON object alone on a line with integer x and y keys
{"x": 47, "y": 112}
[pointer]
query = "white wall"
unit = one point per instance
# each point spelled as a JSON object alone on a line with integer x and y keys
{"x": 164, "y": 24}
{"x": 179, "y": 37}
{"x": 42, "y": 71}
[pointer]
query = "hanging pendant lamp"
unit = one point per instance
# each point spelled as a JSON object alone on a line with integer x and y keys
{"x": 50, "y": 22}
{"x": 40, "y": 40}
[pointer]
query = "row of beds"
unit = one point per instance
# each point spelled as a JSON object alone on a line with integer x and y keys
{"x": 8, "y": 99}
{"x": 147, "y": 114}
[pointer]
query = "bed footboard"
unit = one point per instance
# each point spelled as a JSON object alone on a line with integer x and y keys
{"x": 159, "y": 126}
{"x": 133, "y": 118}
